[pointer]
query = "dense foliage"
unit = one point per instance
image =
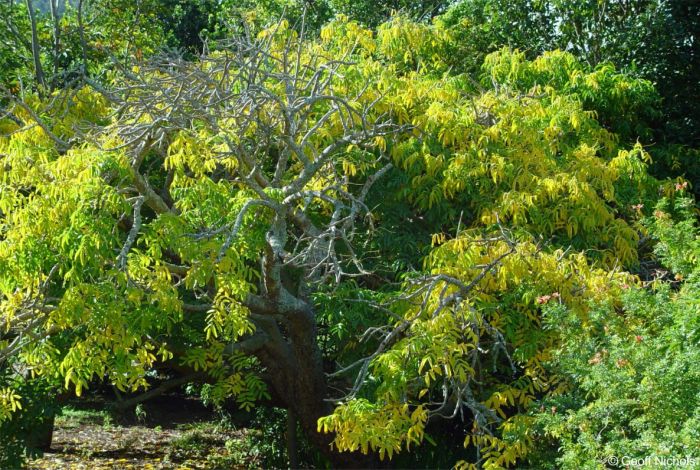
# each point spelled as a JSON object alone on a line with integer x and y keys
{"x": 424, "y": 243}
{"x": 652, "y": 39}
{"x": 633, "y": 367}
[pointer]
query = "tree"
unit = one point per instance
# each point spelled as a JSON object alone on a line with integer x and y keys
{"x": 237, "y": 215}
{"x": 52, "y": 45}
{"x": 373, "y": 14}
{"x": 312, "y": 13}
{"x": 654, "y": 39}
{"x": 274, "y": 126}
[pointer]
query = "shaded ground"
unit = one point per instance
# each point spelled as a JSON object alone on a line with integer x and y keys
{"x": 172, "y": 433}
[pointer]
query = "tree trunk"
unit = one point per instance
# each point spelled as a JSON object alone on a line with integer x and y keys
{"x": 291, "y": 353}
{"x": 40, "y": 436}
{"x": 300, "y": 382}
{"x": 306, "y": 400}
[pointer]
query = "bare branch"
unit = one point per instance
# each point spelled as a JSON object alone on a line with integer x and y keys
{"x": 133, "y": 233}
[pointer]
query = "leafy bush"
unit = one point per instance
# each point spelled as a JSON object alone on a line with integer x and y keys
{"x": 25, "y": 433}
{"x": 633, "y": 367}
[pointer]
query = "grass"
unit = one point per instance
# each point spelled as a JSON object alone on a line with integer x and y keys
{"x": 198, "y": 439}
{"x": 74, "y": 418}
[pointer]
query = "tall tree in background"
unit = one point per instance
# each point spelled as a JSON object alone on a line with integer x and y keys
{"x": 64, "y": 41}
{"x": 373, "y": 14}
{"x": 653, "y": 39}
